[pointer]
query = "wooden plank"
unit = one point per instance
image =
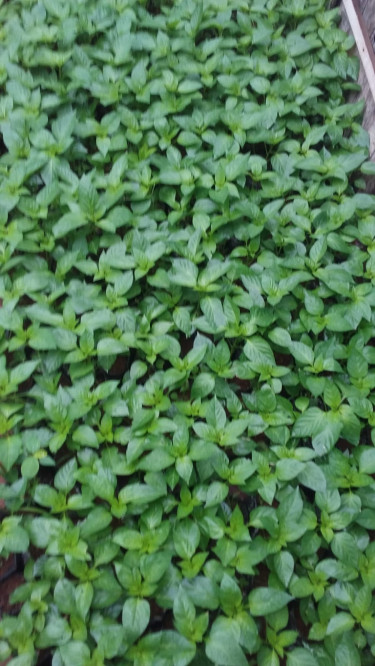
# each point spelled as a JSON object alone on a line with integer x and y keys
{"x": 363, "y": 5}
{"x": 362, "y": 39}
{"x": 368, "y": 121}
{"x": 368, "y": 12}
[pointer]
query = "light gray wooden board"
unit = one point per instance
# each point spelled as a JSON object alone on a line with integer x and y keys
{"x": 369, "y": 115}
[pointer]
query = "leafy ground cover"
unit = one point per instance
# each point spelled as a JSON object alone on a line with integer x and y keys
{"x": 187, "y": 362}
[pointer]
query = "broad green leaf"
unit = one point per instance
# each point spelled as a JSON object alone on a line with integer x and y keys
{"x": 184, "y": 273}
{"x": 323, "y": 71}
{"x": 140, "y": 493}
{"x": 13, "y": 537}
{"x": 55, "y": 633}
{"x": 29, "y": 467}
{"x": 301, "y": 657}
{"x": 168, "y": 646}
{"x": 64, "y": 596}
{"x": 346, "y": 652}
{"x": 10, "y": 449}
{"x": 215, "y": 415}
{"x": 22, "y": 372}
{"x": 312, "y": 477}
{"x": 75, "y": 652}
{"x": 186, "y": 538}
{"x": 340, "y": 623}
{"x": 284, "y": 565}
{"x": 266, "y": 600}
{"x": 135, "y": 618}
{"x": 83, "y": 596}
{"x": 222, "y": 644}
{"x": 367, "y": 461}
{"x": 65, "y": 477}
{"x": 67, "y": 223}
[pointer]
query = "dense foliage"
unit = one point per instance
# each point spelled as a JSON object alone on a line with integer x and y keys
{"x": 187, "y": 368}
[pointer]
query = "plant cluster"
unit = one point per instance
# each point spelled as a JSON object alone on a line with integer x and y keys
{"x": 187, "y": 366}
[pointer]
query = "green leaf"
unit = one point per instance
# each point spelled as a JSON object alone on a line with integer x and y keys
{"x": 13, "y": 537}
{"x": 74, "y": 652}
{"x": 216, "y": 494}
{"x": 301, "y": 657}
{"x": 135, "y": 618}
{"x": 65, "y": 477}
{"x": 213, "y": 271}
{"x": 83, "y": 596}
{"x": 266, "y": 600}
{"x": 260, "y": 85}
{"x": 56, "y": 632}
{"x": 202, "y": 591}
{"x": 302, "y": 353}
{"x": 203, "y": 385}
{"x": 215, "y": 415}
{"x": 323, "y": 71}
{"x": 258, "y": 351}
{"x": 214, "y": 315}
{"x": 280, "y": 337}
{"x": 340, "y": 623}
{"x": 367, "y": 461}
{"x": 166, "y": 646}
{"x": 29, "y": 467}
{"x": 156, "y": 461}
{"x": 309, "y": 423}
{"x": 222, "y": 644}
{"x": 288, "y": 468}
{"x": 140, "y": 493}
{"x": 345, "y": 548}
{"x": 67, "y": 223}
{"x": 22, "y": 372}
{"x": 21, "y": 660}
{"x": 346, "y": 653}
{"x": 10, "y": 449}
{"x": 230, "y": 595}
{"x": 110, "y": 346}
{"x": 186, "y": 538}
{"x": 312, "y": 477}
{"x": 357, "y": 365}
{"x": 184, "y": 273}
{"x": 284, "y": 566}
{"x": 64, "y": 596}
